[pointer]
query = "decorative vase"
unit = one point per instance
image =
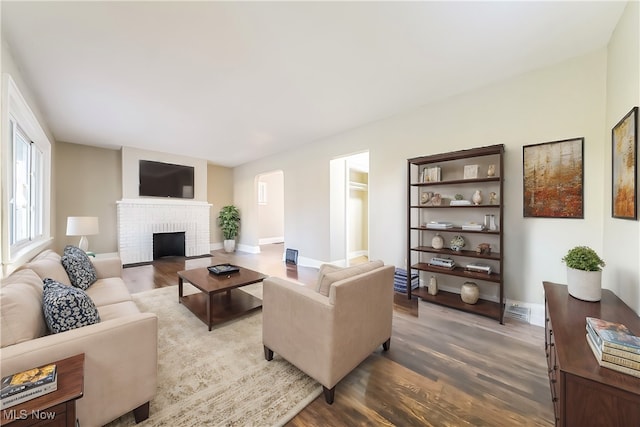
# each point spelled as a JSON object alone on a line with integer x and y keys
{"x": 457, "y": 243}
{"x": 491, "y": 171}
{"x": 433, "y": 286}
{"x": 437, "y": 242}
{"x": 229, "y": 245}
{"x": 584, "y": 285}
{"x": 469, "y": 292}
{"x": 477, "y": 197}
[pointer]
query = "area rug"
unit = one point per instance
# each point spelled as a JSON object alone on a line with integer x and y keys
{"x": 218, "y": 377}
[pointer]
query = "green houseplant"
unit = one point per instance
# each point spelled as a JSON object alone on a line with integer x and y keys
{"x": 229, "y": 222}
{"x": 584, "y": 273}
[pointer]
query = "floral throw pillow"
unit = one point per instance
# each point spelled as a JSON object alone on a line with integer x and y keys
{"x": 66, "y": 307}
{"x": 79, "y": 267}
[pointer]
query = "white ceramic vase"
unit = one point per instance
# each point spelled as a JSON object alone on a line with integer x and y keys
{"x": 229, "y": 245}
{"x": 584, "y": 285}
{"x": 477, "y": 197}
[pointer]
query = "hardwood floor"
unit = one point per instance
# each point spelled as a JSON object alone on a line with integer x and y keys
{"x": 444, "y": 368}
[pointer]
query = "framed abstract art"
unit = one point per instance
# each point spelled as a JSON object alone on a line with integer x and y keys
{"x": 553, "y": 179}
{"x": 624, "y": 159}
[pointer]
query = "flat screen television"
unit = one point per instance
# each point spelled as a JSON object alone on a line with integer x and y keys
{"x": 159, "y": 179}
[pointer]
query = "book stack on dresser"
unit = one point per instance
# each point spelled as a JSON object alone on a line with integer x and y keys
{"x": 614, "y": 346}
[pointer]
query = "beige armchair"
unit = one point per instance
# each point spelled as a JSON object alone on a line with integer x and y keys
{"x": 327, "y": 336}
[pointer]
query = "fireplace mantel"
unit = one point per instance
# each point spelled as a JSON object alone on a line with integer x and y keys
{"x": 139, "y": 219}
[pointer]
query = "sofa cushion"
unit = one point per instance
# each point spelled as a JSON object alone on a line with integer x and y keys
{"x": 344, "y": 273}
{"x": 48, "y": 264}
{"x": 21, "y": 316}
{"x": 79, "y": 267}
{"x": 67, "y": 307}
{"x": 115, "y": 311}
{"x": 108, "y": 291}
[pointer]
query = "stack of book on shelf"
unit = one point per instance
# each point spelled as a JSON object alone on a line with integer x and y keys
{"x": 400, "y": 280}
{"x": 439, "y": 225}
{"x": 27, "y": 385}
{"x": 442, "y": 262}
{"x": 472, "y": 226}
{"x": 478, "y": 267}
{"x": 614, "y": 346}
{"x": 460, "y": 203}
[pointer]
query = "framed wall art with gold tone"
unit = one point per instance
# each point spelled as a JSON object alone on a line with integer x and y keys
{"x": 553, "y": 179}
{"x": 624, "y": 159}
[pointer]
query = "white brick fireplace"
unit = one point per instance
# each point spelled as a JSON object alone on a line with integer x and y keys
{"x": 139, "y": 219}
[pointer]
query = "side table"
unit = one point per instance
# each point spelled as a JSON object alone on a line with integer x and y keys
{"x": 56, "y": 409}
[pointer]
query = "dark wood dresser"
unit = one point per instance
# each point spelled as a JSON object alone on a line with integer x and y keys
{"x": 585, "y": 394}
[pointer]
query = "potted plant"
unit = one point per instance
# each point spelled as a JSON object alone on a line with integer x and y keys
{"x": 584, "y": 273}
{"x": 229, "y": 221}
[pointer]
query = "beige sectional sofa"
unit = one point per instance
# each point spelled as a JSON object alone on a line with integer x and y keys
{"x": 120, "y": 371}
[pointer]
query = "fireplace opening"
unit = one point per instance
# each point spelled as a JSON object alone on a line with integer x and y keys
{"x": 168, "y": 244}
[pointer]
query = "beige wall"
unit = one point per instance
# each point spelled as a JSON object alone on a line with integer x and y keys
{"x": 89, "y": 182}
{"x": 563, "y": 101}
{"x": 219, "y": 194}
{"x": 621, "y": 237}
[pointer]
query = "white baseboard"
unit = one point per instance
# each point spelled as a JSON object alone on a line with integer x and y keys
{"x": 356, "y": 254}
{"x": 248, "y": 248}
{"x": 270, "y": 240}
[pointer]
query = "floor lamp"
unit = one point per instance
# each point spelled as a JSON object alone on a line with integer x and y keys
{"x": 82, "y": 226}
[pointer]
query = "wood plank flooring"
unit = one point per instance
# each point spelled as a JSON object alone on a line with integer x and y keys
{"x": 444, "y": 368}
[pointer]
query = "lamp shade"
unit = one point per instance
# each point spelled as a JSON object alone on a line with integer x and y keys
{"x": 82, "y": 225}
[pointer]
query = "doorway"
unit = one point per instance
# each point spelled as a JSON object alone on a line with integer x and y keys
{"x": 270, "y": 201}
{"x": 349, "y": 200}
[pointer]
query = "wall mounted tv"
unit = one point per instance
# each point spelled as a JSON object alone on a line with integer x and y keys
{"x": 159, "y": 179}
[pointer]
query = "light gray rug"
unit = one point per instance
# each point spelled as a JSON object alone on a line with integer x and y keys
{"x": 218, "y": 378}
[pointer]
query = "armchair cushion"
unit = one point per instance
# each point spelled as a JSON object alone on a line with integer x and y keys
{"x": 325, "y": 282}
{"x": 67, "y": 307}
{"x": 79, "y": 267}
{"x": 324, "y": 270}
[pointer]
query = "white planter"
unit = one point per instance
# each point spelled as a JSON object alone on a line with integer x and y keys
{"x": 229, "y": 245}
{"x": 584, "y": 285}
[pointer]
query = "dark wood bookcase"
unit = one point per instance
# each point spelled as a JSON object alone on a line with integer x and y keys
{"x": 452, "y": 181}
{"x": 584, "y": 393}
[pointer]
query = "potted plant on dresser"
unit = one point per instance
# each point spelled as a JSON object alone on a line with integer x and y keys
{"x": 229, "y": 221}
{"x": 584, "y": 273}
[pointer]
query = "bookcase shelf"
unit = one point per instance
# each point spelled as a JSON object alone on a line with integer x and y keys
{"x": 451, "y": 178}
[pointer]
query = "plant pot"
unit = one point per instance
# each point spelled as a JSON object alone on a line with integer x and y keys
{"x": 584, "y": 285}
{"x": 229, "y": 245}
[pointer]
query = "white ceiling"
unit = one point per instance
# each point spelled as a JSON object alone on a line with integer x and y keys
{"x": 235, "y": 81}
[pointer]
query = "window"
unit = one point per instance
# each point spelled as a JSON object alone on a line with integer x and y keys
{"x": 262, "y": 193}
{"x": 25, "y": 200}
{"x": 26, "y": 165}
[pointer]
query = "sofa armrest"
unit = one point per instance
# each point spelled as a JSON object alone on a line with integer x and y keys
{"x": 297, "y": 324}
{"x": 107, "y": 267}
{"x": 120, "y": 363}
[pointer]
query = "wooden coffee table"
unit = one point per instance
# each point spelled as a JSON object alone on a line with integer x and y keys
{"x": 219, "y": 299}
